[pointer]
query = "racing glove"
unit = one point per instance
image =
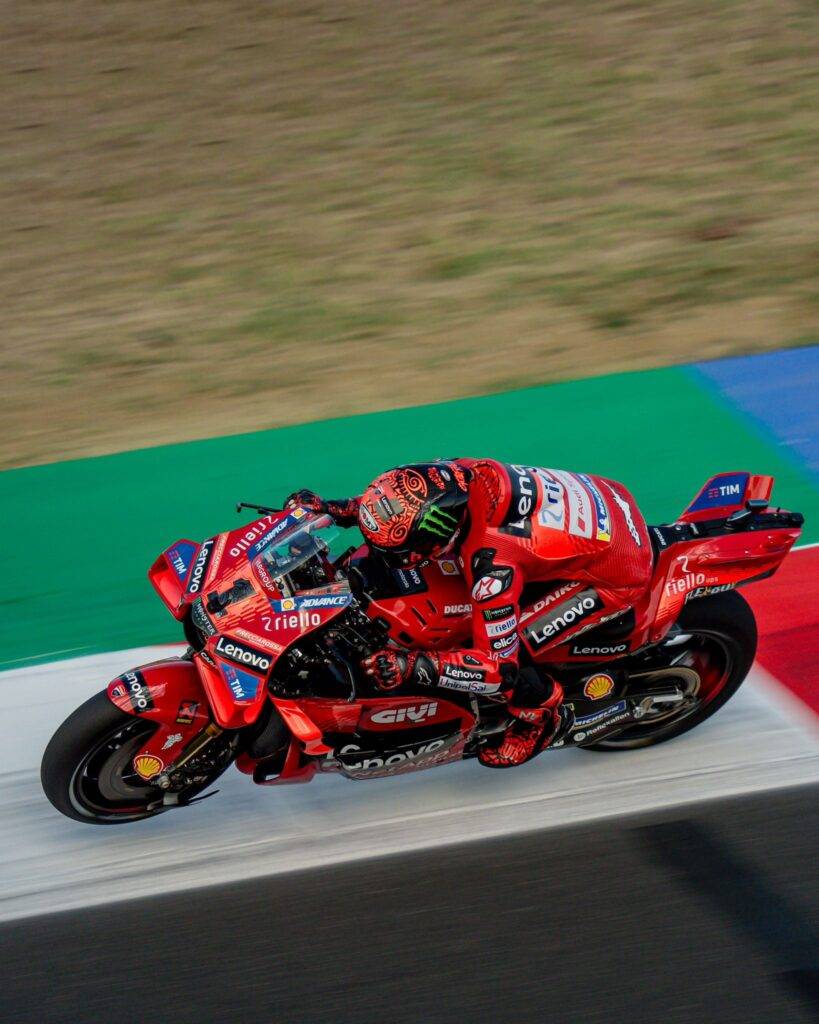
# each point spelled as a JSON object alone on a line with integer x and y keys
{"x": 343, "y": 510}
{"x": 391, "y": 667}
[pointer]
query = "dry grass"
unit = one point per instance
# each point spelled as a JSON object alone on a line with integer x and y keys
{"x": 223, "y": 216}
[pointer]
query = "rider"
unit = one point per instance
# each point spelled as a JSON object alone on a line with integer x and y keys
{"x": 508, "y": 525}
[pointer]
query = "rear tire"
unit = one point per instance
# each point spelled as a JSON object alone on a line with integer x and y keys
{"x": 724, "y": 638}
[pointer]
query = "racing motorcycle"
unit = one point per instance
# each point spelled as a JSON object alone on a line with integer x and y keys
{"x": 279, "y": 613}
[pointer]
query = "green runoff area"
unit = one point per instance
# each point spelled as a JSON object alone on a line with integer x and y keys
{"x": 80, "y": 535}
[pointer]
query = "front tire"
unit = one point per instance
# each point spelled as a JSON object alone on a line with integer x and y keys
{"x": 721, "y": 649}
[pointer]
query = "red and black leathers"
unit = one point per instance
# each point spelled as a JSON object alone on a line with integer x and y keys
{"x": 524, "y": 525}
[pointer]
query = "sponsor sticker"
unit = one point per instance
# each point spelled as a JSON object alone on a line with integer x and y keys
{"x": 564, "y": 617}
{"x": 413, "y": 713}
{"x": 200, "y": 566}
{"x": 518, "y": 517}
{"x": 448, "y": 567}
{"x": 598, "y": 686}
{"x": 728, "y": 489}
{"x": 457, "y": 609}
{"x": 591, "y": 650}
{"x": 180, "y": 557}
{"x": 409, "y": 581}
{"x": 602, "y": 715}
{"x": 241, "y": 654}
{"x": 579, "y": 502}
{"x": 186, "y": 712}
{"x": 499, "y": 628}
{"x": 172, "y": 740}
{"x": 510, "y": 650}
{"x": 625, "y": 508}
{"x": 367, "y": 518}
{"x": 503, "y": 643}
{"x": 242, "y": 684}
{"x": 137, "y": 689}
{"x": 552, "y": 512}
{"x": 600, "y": 507}
{"x": 491, "y": 584}
{"x": 148, "y": 765}
{"x": 309, "y": 602}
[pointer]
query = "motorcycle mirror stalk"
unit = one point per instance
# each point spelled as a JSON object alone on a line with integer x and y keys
{"x": 256, "y": 508}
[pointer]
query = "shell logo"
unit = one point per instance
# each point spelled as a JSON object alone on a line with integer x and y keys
{"x": 288, "y": 604}
{"x": 598, "y": 686}
{"x": 147, "y": 765}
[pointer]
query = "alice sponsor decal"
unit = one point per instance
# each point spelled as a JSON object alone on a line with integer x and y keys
{"x": 510, "y": 651}
{"x": 501, "y": 643}
{"x": 148, "y": 765}
{"x": 242, "y": 655}
{"x": 413, "y": 713}
{"x": 200, "y": 566}
{"x": 598, "y": 686}
{"x": 564, "y": 617}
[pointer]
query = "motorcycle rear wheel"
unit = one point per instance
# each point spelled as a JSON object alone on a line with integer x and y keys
{"x": 721, "y": 648}
{"x": 87, "y": 770}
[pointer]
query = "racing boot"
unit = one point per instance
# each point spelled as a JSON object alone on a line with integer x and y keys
{"x": 533, "y": 728}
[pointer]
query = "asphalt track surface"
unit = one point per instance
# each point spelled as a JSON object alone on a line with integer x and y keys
{"x": 700, "y": 913}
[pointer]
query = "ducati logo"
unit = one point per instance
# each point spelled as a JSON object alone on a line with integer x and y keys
{"x": 414, "y": 713}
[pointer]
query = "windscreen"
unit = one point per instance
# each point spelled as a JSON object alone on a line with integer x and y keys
{"x": 310, "y": 537}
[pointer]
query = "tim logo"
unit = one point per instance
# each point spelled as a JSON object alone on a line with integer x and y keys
{"x": 724, "y": 492}
{"x": 414, "y": 713}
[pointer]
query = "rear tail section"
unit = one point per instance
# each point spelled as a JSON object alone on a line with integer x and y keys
{"x": 727, "y": 537}
{"x": 727, "y": 493}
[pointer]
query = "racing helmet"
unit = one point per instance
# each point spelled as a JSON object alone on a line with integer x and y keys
{"x": 415, "y": 511}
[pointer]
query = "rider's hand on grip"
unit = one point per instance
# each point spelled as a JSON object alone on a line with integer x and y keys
{"x": 307, "y": 499}
{"x": 389, "y": 668}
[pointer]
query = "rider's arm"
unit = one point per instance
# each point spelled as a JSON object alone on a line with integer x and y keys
{"x": 495, "y": 589}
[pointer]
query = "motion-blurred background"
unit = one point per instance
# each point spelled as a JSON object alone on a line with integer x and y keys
{"x": 225, "y": 216}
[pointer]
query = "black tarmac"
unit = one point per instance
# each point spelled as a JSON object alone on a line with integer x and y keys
{"x": 697, "y": 914}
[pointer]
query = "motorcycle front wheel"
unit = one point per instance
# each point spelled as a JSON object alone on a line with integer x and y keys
{"x": 87, "y": 771}
{"x": 720, "y": 646}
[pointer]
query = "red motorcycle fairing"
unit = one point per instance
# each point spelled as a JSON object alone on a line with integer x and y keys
{"x": 380, "y": 729}
{"x": 167, "y": 692}
{"x": 431, "y": 608}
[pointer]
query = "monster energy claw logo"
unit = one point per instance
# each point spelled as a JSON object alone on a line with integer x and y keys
{"x": 437, "y": 521}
